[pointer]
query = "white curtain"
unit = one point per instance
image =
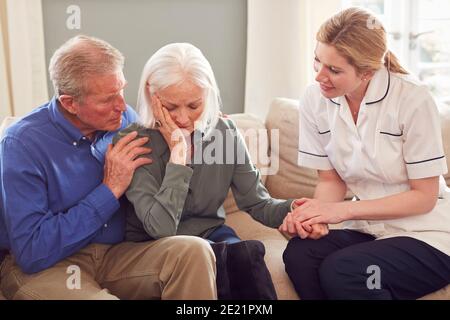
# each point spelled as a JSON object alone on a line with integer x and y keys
{"x": 23, "y": 75}
{"x": 280, "y": 48}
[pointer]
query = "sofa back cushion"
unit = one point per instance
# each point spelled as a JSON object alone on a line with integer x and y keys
{"x": 6, "y": 123}
{"x": 444, "y": 111}
{"x": 255, "y": 134}
{"x": 291, "y": 181}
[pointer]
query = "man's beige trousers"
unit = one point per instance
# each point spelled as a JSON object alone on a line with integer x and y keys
{"x": 180, "y": 267}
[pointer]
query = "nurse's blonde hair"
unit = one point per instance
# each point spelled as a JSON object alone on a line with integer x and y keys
{"x": 171, "y": 65}
{"x": 360, "y": 38}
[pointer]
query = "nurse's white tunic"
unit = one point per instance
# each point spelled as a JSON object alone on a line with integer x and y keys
{"x": 397, "y": 137}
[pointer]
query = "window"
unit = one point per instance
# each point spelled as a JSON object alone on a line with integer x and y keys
{"x": 419, "y": 34}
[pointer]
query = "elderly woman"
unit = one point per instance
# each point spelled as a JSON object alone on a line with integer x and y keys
{"x": 182, "y": 191}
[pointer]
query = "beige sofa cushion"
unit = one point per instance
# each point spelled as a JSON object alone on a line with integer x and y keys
{"x": 444, "y": 111}
{"x": 6, "y": 123}
{"x": 246, "y": 122}
{"x": 291, "y": 181}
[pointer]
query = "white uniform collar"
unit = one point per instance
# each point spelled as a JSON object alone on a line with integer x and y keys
{"x": 378, "y": 88}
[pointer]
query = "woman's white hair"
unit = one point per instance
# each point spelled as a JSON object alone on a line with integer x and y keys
{"x": 171, "y": 65}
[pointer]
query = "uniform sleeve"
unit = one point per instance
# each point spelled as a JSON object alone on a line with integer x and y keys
{"x": 251, "y": 195}
{"x": 311, "y": 153}
{"x": 423, "y": 151}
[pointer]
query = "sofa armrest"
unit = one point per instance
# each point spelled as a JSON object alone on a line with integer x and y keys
{"x": 8, "y": 121}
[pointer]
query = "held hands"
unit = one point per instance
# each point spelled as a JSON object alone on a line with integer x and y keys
{"x": 122, "y": 160}
{"x": 294, "y": 227}
{"x": 176, "y": 138}
{"x": 310, "y": 218}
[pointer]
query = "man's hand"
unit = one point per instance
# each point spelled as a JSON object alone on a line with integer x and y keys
{"x": 122, "y": 160}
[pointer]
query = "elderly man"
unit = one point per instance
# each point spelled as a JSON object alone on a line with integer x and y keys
{"x": 61, "y": 218}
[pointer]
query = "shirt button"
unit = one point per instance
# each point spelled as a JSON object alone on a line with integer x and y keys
{"x": 75, "y": 143}
{"x": 84, "y": 138}
{"x": 105, "y": 225}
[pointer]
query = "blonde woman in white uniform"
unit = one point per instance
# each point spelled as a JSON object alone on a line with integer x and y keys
{"x": 369, "y": 127}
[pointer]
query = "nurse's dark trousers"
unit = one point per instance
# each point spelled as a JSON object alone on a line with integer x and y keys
{"x": 352, "y": 265}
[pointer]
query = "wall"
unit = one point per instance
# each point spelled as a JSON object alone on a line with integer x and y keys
{"x": 280, "y": 49}
{"x": 138, "y": 28}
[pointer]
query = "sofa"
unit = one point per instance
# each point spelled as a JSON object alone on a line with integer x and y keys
{"x": 284, "y": 179}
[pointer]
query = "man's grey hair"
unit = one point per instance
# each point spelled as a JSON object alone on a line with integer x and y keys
{"x": 78, "y": 58}
{"x": 171, "y": 65}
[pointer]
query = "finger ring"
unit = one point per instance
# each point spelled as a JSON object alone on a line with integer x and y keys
{"x": 158, "y": 124}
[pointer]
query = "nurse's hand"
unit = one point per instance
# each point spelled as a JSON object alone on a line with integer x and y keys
{"x": 313, "y": 211}
{"x": 295, "y": 228}
{"x": 317, "y": 230}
